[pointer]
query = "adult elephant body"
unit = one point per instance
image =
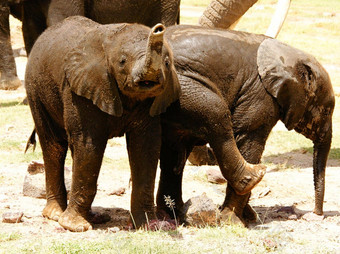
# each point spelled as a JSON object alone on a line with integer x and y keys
{"x": 37, "y": 15}
{"x": 87, "y": 83}
{"x": 261, "y": 81}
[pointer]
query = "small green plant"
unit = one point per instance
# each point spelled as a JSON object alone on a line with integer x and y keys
{"x": 171, "y": 204}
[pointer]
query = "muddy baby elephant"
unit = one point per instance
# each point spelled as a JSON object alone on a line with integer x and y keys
{"x": 87, "y": 83}
{"x": 261, "y": 81}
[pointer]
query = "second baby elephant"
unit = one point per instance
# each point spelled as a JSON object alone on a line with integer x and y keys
{"x": 261, "y": 81}
{"x": 87, "y": 83}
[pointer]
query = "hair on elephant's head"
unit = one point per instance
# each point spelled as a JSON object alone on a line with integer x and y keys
{"x": 128, "y": 59}
{"x": 305, "y": 95}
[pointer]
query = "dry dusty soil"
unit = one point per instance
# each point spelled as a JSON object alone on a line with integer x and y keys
{"x": 282, "y": 199}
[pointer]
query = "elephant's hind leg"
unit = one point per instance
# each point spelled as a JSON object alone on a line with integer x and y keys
{"x": 54, "y": 148}
{"x": 172, "y": 161}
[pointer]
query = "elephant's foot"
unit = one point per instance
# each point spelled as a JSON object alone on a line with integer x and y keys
{"x": 249, "y": 178}
{"x": 229, "y": 217}
{"x": 10, "y": 83}
{"x": 249, "y": 214}
{"x": 53, "y": 209}
{"x": 74, "y": 221}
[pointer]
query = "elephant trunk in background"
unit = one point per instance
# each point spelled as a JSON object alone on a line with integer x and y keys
{"x": 224, "y": 13}
{"x": 148, "y": 69}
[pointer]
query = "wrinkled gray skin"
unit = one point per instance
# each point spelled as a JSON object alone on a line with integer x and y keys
{"x": 37, "y": 15}
{"x": 224, "y": 13}
{"x": 261, "y": 81}
{"x": 87, "y": 83}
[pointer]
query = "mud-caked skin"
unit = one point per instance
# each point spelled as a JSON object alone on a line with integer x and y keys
{"x": 87, "y": 83}
{"x": 254, "y": 81}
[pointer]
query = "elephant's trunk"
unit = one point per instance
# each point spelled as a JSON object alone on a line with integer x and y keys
{"x": 224, "y": 13}
{"x": 320, "y": 155}
{"x": 150, "y": 70}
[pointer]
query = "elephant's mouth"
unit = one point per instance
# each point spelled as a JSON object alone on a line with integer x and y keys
{"x": 147, "y": 84}
{"x": 144, "y": 89}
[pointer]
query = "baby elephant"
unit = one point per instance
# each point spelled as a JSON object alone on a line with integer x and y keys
{"x": 87, "y": 83}
{"x": 261, "y": 81}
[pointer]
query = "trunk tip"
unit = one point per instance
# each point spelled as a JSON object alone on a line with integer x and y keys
{"x": 158, "y": 29}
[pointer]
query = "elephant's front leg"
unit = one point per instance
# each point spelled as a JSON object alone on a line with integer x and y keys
{"x": 143, "y": 144}
{"x": 87, "y": 153}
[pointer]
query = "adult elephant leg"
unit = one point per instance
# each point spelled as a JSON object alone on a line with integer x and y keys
{"x": 169, "y": 12}
{"x": 8, "y": 74}
{"x": 33, "y": 22}
{"x": 172, "y": 162}
{"x": 143, "y": 144}
{"x": 60, "y": 10}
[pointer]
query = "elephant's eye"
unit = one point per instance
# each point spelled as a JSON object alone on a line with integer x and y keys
{"x": 122, "y": 61}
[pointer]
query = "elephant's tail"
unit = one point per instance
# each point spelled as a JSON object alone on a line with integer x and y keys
{"x": 31, "y": 141}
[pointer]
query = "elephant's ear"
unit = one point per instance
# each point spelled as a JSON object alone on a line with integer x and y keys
{"x": 288, "y": 75}
{"x": 87, "y": 72}
{"x": 172, "y": 92}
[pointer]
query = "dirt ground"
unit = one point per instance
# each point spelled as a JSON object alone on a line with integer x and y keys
{"x": 283, "y": 199}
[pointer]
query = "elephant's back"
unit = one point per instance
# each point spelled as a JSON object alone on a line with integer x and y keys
{"x": 53, "y": 45}
{"x": 61, "y": 37}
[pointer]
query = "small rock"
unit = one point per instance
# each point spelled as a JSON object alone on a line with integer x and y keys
{"x": 113, "y": 230}
{"x": 201, "y": 211}
{"x": 215, "y": 176}
{"x": 12, "y": 217}
{"x": 293, "y": 217}
{"x": 35, "y": 168}
{"x": 34, "y": 182}
{"x": 118, "y": 192}
{"x": 264, "y": 192}
{"x": 34, "y": 186}
{"x": 270, "y": 244}
{"x": 312, "y": 217}
{"x": 9, "y": 127}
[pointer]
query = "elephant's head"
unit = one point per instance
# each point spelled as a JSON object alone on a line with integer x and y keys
{"x": 128, "y": 59}
{"x": 305, "y": 95}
